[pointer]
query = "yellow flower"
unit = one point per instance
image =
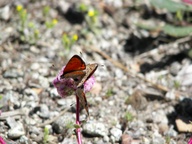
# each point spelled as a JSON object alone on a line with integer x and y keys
{"x": 19, "y": 7}
{"x": 54, "y": 21}
{"x": 91, "y": 13}
{"x": 37, "y": 32}
{"x": 75, "y": 37}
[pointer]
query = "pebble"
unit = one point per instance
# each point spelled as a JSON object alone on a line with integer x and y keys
{"x": 119, "y": 73}
{"x": 175, "y": 67}
{"x": 69, "y": 141}
{"x": 35, "y": 130}
{"x": 158, "y": 140}
{"x": 184, "y": 75}
{"x": 66, "y": 102}
{"x": 145, "y": 140}
{"x": 16, "y": 132}
{"x": 63, "y": 6}
{"x": 106, "y": 138}
{"x": 44, "y": 82}
{"x": 170, "y": 95}
{"x": 95, "y": 128}
{"x": 5, "y": 13}
{"x": 34, "y": 50}
{"x": 35, "y": 66}
{"x": 116, "y": 134}
{"x": 54, "y": 93}
{"x": 44, "y": 111}
{"x": 104, "y": 44}
{"x": 159, "y": 117}
{"x": 12, "y": 73}
{"x": 29, "y": 92}
{"x": 163, "y": 128}
{"x": 11, "y": 122}
{"x": 126, "y": 139}
{"x": 23, "y": 140}
{"x": 30, "y": 121}
{"x": 62, "y": 123}
{"x": 171, "y": 132}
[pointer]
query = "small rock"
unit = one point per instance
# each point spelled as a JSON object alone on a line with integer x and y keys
{"x": 146, "y": 140}
{"x": 106, "y": 138}
{"x": 35, "y": 66}
{"x": 66, "y": 103}
{"x": 5, "y": 13}
{"x": 16, "y": 132}
{"x": 119, "y": 73}
{"x": 104, "y": 44}
{"x": 171, "y": 132}
{"x": 63, "y": 6}
{"x": 184, "y": 76}
{"x": 63, "y": 123}
{"x": 44, "y": 111}
{"x": 35, "y": 130}
{"x": 54, "y": 93}
{"x": 159, "y": 117}
{"x": 163, "y": 128}
{"x": 12, "y": 74}
{"x": 116, "y": 133}
{"x": 44, "y": 82}
{"x": 11, "y": 122}
{"x": 30, "y": 121}
{"x": 37, "y": 138}
{"x": 69, "y": 141}
{"x": 126, "y": 139}
{"x": 157, "y": 138}
{"x": 170, "y": 95}
{"x": 23, "y": 140}
{"x": 137, "y": 100}
{"x": 182, "y": 126}
{"x": 94, "y": 128}
{"x": 29, "y": 92}
{"x": 34, "y": 50}
{"x": 175, "y": 67}
{"x": 52, "y": 139}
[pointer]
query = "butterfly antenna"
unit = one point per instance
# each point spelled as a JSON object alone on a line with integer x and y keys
{"x": 81, "y": 54}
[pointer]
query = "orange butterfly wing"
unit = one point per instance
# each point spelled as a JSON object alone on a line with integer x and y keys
{"x": 74, "y": 64}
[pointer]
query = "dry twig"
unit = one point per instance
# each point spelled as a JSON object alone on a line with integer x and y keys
{"x": 124, "y": 68}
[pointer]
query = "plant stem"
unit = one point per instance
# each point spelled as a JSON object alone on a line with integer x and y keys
{"x": 78, "y": 130}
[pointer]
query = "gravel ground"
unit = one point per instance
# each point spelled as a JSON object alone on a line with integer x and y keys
{"x": 142, "y": 93}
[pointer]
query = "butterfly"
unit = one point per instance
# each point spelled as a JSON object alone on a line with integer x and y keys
{"x": 80, "y": 72}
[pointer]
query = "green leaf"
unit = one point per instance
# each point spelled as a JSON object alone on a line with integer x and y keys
{"x": 149, "y": 24}
{"x": 46, "y": 135}
{"x": 170, "y": 5}
{"x": 177, "y": 31}
{"x": 77, "y": 126}
{"x": 83, "y": 7}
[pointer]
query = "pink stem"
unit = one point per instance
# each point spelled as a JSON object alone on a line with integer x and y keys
{"x": 78, "y": 130}
{"x": 2, "y": 140}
